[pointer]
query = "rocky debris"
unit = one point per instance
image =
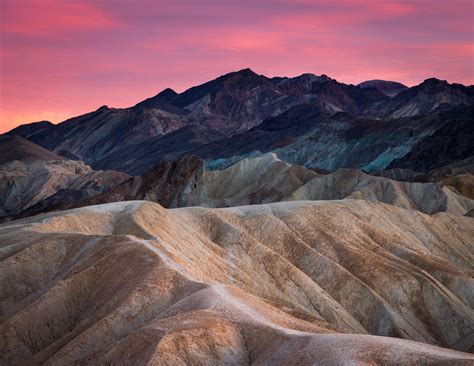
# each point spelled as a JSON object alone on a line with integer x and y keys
{"x": 285, "y": 283}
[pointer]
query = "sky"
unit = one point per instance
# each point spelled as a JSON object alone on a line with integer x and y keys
{"x": 62, "y": 58}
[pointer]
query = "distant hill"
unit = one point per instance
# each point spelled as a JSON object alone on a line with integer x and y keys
{"x": 389, "y": 88}
{"x": 17, "y": 148}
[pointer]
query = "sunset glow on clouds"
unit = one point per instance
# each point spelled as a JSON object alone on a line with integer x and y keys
{"x": 61, "y": 58}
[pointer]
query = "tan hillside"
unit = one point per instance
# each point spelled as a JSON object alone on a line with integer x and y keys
{"x": 289, "y": 283}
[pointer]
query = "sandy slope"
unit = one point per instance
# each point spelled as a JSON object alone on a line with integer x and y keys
{"x": 429, "y": 198}
{"x": 263, "y": 179}
{"x": 286, "y": 283}
{"x": 267, "y": 179}
{"x": 23, "y": 184}
{"x": 54, "y": 185}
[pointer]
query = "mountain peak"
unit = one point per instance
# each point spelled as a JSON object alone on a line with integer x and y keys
{"x": 325, "y": 77}
{"x": 29, "y": 129}
{"x": 162, "y": 100}
{"x": 433, "y": 81}
{"x": 168, "y": 92}
{"x": 102, "y": 108}
{"x": 387, "y": 87}
{"x": 434, "y": 85}
{"x": 244, "y": 74}
{"x": 247, "y": 70}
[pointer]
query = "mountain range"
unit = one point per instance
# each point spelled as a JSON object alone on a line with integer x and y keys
{"x": 247, "y": 220}
{"x": 307, "y": 120}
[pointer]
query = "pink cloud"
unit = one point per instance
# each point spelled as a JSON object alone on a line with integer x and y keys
{"x": 62, "y": 58}
{"x": 49, "y": 17}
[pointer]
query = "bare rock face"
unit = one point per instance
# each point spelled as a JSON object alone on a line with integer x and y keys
{"x": 28, "y": 187}
{"x": 171, "y": 184}
{"x": 286, "y": 283}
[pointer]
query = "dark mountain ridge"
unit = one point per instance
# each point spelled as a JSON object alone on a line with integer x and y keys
{"x": 17, "y": 148}
{"x": 388, "y": 88}
{"x": 243, "y": 113}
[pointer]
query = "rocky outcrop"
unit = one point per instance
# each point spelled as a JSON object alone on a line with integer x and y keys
{"x": 286, "y": 283}
{"x": 171, "y": 184}
{"x": 29, "y": 187}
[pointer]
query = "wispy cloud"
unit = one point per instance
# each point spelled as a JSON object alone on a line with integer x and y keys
{"x": 72, "y": 56}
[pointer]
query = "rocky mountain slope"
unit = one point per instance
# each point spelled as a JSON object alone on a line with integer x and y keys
{"x": 243, "y": 113}
{"x": 424, "y": 98}
{"x": 29, "y": 129}
{"x": 17, "y": 148}
{"x": 33, "y": 179}
{"x": 266, "y": 179}
{"x": 449, "y": 144}
{"x": 170, "y": 183}
{"x": 458, "y": 176}
{"x": 286, "y": 283}
{"x": 429, "y": 198}
{"x": 307, "y": 136}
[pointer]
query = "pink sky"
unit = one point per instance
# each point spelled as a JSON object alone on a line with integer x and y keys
{"x": 61, "y": 58}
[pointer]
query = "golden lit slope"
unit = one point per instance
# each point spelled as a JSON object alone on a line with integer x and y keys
{"x": 285, "y": 283}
